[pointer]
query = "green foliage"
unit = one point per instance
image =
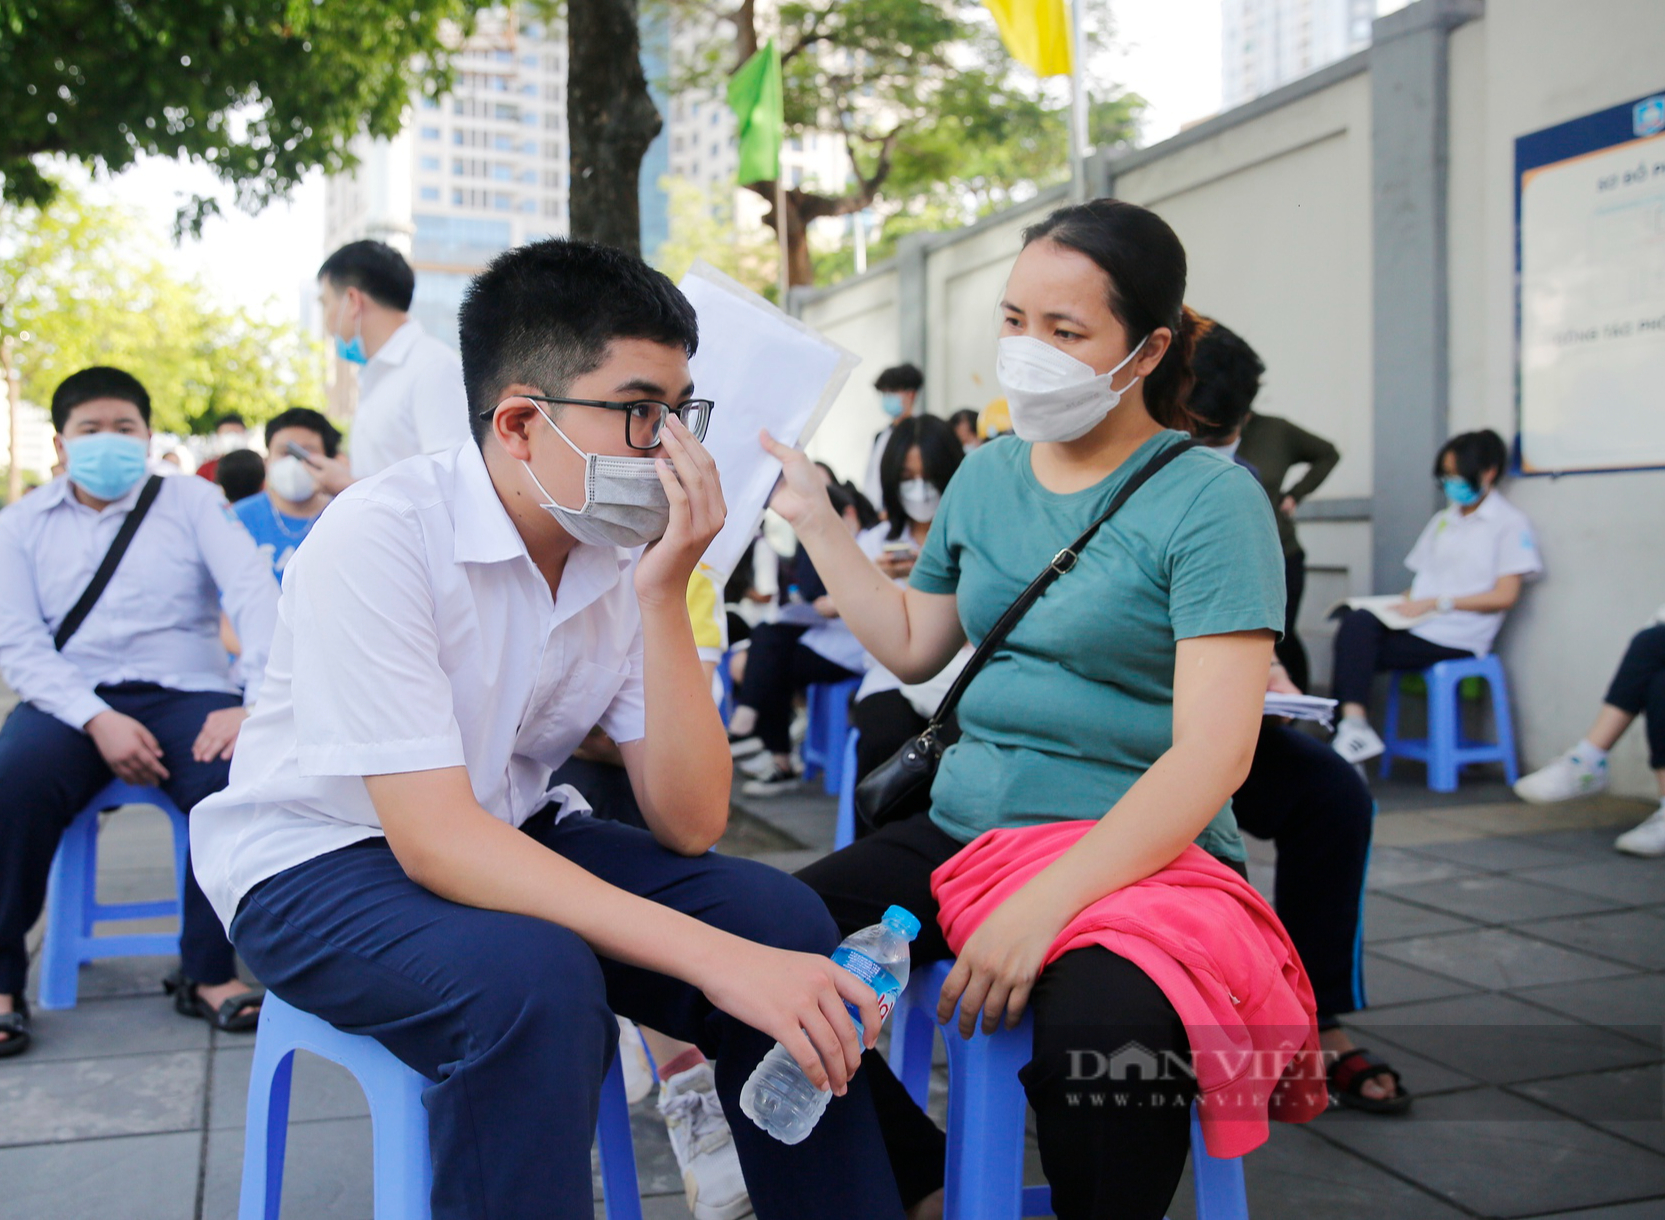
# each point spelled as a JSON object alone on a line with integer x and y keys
{"x": 260, "y": 90}
{"x": 80, "y": 284}
{"x": 702, "y": 227}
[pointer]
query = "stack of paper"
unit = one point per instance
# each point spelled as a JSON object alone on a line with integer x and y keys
{"x": 1383, "y": 607}
{"x": 1300, "y": 707}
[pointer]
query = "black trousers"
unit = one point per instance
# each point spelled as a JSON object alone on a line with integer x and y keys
{"x": 1639, "y": 686}
{"x": 887, "y": 722}
{"x": 1308, "y": 800}
{"x": 776, "y": 666}
{"x": 1364, "y": 647}
{"x": 1121, "y": 1159}
{"x": 1291, "y": 653}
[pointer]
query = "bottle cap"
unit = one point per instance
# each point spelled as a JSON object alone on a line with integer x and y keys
{"x": 903, "y": 920}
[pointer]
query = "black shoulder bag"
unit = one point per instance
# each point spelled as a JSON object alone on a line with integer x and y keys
{"x": 107, "y": 566}
{"x": 890, "y": 789}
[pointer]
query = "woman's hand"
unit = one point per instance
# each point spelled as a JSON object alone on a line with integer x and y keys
{"x": 801, "y": 492}
{"x": 896, "y": 564}
{"x": 998, "y": 966}
{"x": 689, "y": 475}
{"x": 798, "y": 1000}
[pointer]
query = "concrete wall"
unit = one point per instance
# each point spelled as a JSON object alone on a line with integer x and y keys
{"x": 862, "y": 315}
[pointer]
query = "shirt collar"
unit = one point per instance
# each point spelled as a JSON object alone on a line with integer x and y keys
{"x": 399, "y": 343}
{"x": 61, "y": 491}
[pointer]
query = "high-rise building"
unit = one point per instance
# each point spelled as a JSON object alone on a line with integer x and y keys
{"x": 473, "y": 173}
{"x": 1267, "y": 43}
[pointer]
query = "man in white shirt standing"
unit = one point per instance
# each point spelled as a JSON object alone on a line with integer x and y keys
{"x": 390, "y": 855}
{"x": 410, "y": 385}
{"x": 141, "y": 689}
{"x": 899, "y": 389}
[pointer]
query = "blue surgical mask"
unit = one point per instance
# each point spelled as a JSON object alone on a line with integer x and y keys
{"x": 891, "y": 405}
{"x": 352, "y": 350}
{"x": 1460, "y": 491}
{"x": 106, "y": 465}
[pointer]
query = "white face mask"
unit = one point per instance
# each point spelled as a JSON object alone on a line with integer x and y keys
{"x": 1053, "y": 396}
{"x": 920, "y": 500}
{"x": 289, "y": 477}
{"x": 624, "y": 501}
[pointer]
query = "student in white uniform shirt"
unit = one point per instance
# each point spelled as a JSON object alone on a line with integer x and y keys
{"x": 899, "y": 389}
{"x": 389, "y": 855}
{"x": 1469, "y": 565}
{"x": 410, "y": 384}
{"x": 141, "y": 688}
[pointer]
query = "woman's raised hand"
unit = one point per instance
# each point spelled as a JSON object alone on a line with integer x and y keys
{"x": 801, "y": 489}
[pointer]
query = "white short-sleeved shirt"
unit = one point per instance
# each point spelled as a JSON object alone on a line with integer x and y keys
{"x": 410, "y": 401}
{"x": 1461, "y": 555}
{"x": 414, "y": 633}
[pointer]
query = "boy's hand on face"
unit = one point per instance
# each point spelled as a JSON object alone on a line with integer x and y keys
{"x": 695, "y": 492}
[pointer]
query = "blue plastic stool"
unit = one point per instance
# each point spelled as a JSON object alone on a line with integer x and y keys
{"x": 844, "y": 830}
{"x": 829, "y": 723}
{"x": 1445, "y": 750}
{"x": 404, "y": 1174}
{"x": 986, "y": 1108}
{"x": 72, "y": 906}
{"x": 726, "y": 675}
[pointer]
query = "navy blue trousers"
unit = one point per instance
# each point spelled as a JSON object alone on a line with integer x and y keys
{"x": 48, "y": 773}
{"x": 512, "y": 1017}
{"x": 1639, "y": 686}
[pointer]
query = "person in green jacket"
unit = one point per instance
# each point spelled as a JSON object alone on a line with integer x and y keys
{"x": 1228, "y": 377}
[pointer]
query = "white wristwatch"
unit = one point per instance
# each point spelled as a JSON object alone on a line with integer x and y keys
{"x": 1445, "y": 605}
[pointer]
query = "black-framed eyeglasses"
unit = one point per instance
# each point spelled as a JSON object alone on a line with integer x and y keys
{"x": 644, "y": 420}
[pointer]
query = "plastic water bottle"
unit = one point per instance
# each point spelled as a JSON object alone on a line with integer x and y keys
{"x": 779, "y": 1097}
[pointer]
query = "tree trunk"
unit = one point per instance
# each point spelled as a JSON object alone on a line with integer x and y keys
{"x": 801, "y": 208}
{"x": 611, "y": 120}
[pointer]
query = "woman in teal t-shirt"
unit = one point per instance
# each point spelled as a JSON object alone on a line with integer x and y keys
{"x": 1130, "y": 694}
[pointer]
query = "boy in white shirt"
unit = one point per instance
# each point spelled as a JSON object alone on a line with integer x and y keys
{"x": 387, "y": 855}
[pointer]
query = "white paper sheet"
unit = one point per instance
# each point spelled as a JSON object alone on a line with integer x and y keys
{"x": 1301, "y": 707}
{"x": 763, "y": 369}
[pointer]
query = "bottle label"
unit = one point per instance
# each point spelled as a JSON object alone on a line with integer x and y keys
{"x": 882, "y": 981}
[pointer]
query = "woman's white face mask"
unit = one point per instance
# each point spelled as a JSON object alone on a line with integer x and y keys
{"x": 1053, "y": 396}
{"x": 920, "y": 500}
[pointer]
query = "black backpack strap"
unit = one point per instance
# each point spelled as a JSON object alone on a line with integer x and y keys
{"x": 107, "y": 567}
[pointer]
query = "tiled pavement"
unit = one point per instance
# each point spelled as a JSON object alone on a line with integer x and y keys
{"x": 1516, "y": 968}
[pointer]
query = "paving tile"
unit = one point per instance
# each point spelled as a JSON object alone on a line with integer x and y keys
{"x": 136, "y": 837}
{"x": 1421, "y": 1076}
{"x": 1650, "y": 1209}
{"x": 1387, "y": 918}
{"x": 1411, "y": 829}
{"x": 117, "y": 976}
{"x": 1635, "y": 1000}
{"x": 82, "y": 1099}
{"x": 1498, "y": 958}
{"x": 1629, "y": 1103}
{"x": 94, "y": 1028}
{"x": 137, "y": 885}
{"x": 1502, "y": 1156}
{"x": 1297, "y": 1173}
{"x": 143, "y": 1177}
{"x": 1593, "y": 842}
{"x": 1499, "y": 1039}
{"x": 1489, "y": 898}
{"x": 319, "y": 1089}
{"x": 1633, "y": 882}
{"x": 1634, "y": 937}
{"x": 1391, "y": 867}
{"x": 1498, "y": 855}
{"x": 327, "y": 1172}
{"x": 1387, "y": 981}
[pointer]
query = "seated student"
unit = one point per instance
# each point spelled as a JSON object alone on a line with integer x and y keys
{"x": 240, "y": 474}
{"x": 964, "y": 423}
{"x": 389, "y": 855}
{"x": 1637, "y": 687}
{"x": 787, "y": 656}
{"x": 141, "y": 689}
{"x": 282, "y": 518}
{"x": 1468, "y": 564}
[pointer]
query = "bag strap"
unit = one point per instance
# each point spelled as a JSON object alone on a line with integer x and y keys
{"x": 1062, "y": 562}
{"x": 107, "y": 566}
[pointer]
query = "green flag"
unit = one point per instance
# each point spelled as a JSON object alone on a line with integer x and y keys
{"x": 754, "y": 94}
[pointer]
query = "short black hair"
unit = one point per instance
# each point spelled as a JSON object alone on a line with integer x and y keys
{"x": 100, "y": 381}
{"x": 545, "y": 313}
{"x": 965, "y": 416}
{"x": 375, "y": 269}
{"x": 230, "y": 417}
{"x": 312, "y": 421}
{"x": 1475, "y": 453}
{"x": 240, "y": 474}
{"x": 900, "y": 377}
{"x": 940, "y": 454}
{"x": 1226, "y": 373}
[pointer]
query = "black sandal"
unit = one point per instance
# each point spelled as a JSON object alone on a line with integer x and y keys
{"x": 228, "y": 1017}
{"x": 1348, "y": 1075}
{"x": 15, "y": 1025}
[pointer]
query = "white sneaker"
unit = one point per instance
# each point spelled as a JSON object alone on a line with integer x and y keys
{"x": 744, "y": 747}
{"x": 704, "y": 1146}
{"x": 633, "y": 1057}
{"x": 1648, "y": 839}
{"x": 773, "y": 782}
{"x": 1563, "y": 779}
{"x": 1357, "y": 742}
{"x": 758, "y": 765}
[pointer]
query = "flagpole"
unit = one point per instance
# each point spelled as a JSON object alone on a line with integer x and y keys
{"x": 784, "y": 240}
{"x": 1078, "y": 105}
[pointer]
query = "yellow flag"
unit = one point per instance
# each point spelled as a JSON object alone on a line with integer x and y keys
{"x": 1036, "y": 32}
